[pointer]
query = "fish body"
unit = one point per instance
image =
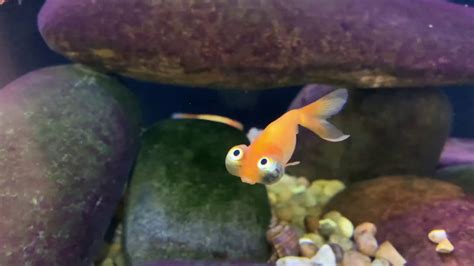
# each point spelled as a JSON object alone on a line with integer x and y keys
{"x": 265, "y": 159}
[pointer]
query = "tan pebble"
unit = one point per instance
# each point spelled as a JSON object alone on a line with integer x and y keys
{"x": 363, "y": 228}
{"x": 311, "y": 223}
{"x": 333, "y": 215}
{"x": 272, "y": 198}
{"x": 333, "y": 187}
{"x": 294, "y": 261}
{"x": 298, "y": 221}
{"x": 380, "y": 262}
{"x": 317, "y": 239}
{"x": 338, "y": 252}
{"x": 387, "y": 251}
{"x": 345, "y": 227}
{"x": 367, "y": 244}
{"x": 354, "y": 258}
{"x": 314, "y": 211}
{"x": 284, "y": 195}
{"x": 327, "y": 227}
{"x": 284, "y": 212}
{"x": 307, "y": 247}
{"x": 303, "y": 181}
{"x": 444, "y": 247}
{"x": 309, "y": 200}
{"x": 342, "y": 241}
{"x": 437, "y": 235}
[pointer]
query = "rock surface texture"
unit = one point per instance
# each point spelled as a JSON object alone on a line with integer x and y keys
{"x": 183, "y": 205}
{"x": 393, "y": 132}
{"x": 68, "y": 139}
{"x": 268, "y": 43}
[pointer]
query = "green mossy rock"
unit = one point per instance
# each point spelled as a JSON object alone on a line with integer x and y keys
{"x": 184, "y": 205}
{"x": 461, "y": 175}
{"x": 68, "y": 139}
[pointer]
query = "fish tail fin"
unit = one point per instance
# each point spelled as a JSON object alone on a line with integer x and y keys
{"x": 313, "y": 116}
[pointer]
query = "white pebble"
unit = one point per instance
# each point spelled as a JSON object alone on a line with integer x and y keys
{"x": 380, "y": 262}
{"x": 294, "y": 261}
{"x": 388, "y": 252}
{"x": 437, "y": 235}
{"x": 324, "y": 257}
{"x": 444, "y": 247}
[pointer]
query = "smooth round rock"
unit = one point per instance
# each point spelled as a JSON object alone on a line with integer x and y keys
{"x": 461, "y": 175}
{"x": 250, "y": 44}
{"x": 68, "y": 139}
{"x": 407, "y": 232}
{"x": 378, "y": 199}
{"x": 183, "y": 205}
{"x": 393, "y": 132}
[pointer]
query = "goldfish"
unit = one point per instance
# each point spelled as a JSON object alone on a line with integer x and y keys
{"x": 265, "y": 159}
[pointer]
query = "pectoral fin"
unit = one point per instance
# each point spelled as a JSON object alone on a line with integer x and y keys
{"x": 292, "y": 163}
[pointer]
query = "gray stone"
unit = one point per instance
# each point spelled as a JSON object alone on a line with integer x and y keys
{"x": 268, "y": 43}
{"x": 68, "y": 139}
{"x": 183, "y": 205}
{"x": 393, "y": 132}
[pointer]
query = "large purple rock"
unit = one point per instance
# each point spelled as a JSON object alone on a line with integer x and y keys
{"x": 268, "y": 43}
{"x": 68, "y": 138}
{"x": 457, "y": 151}
{"x": 393, "y": 132}
{"x": 408, "y": 232}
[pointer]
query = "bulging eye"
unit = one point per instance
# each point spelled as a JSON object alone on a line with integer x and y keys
{"x": 264, "y": 163}
{"x": 236, "y": 154}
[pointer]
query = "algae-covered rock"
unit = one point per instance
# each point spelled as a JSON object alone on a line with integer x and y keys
{"x": 68, "y": 138}
{"x": 268, "y": 43}
{"x": 393, "y": 132}
{"x": 461, "y": 175}
{"x": 409, "y": 232}
{"x": 378, "y": 199}
{"x": 184, "y": 205}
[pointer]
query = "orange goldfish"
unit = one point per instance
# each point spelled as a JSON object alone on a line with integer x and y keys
{"x": 265, "y": 159}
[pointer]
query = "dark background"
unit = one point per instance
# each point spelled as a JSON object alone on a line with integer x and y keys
{"x": 22, "y": 50}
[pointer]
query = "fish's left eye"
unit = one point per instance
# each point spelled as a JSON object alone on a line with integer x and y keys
{"x": 264, "y": 163}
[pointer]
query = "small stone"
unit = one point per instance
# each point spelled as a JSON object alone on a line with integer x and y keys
{"x": 317, "y": 239}
{"x": 333, "y": 215}
{"x": 354, "y": 258}
{"x": 363, "y": 228}
{"x": 367, "y": 244}
{"x": 437, "y": 235}
{"x": 284, "y": 212}
{"x": 388, "y": 252}
{"x": 345, "y": 227}
{"x": 294, "y": 261}
{"x": 307, "y": 247}
{"x": 445, "y": 247}
{"x": 284, "y": 239}
{"x": 309, "y": 200}
{"x": 272, "y": 198}
{"x": 311, "y": 223}
{"x": 342, "y": 241}
{"x": 325, "y": 256}
{"x": 314, "y": 211}
{"x": 338, "y": 252}
{"x": 380, "y": 262}
{"x": 303, "y": 181}
{"x": 327, "y": 227}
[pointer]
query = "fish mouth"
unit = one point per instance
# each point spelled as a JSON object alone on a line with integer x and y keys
{"x": 247, "y": 180}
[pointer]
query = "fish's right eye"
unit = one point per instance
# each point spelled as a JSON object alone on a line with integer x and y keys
{"x": 236, "y": 154}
